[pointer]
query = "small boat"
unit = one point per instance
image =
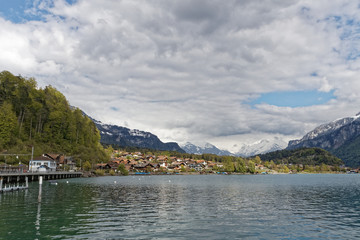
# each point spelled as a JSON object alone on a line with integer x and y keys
{"x": 53, "y": 182}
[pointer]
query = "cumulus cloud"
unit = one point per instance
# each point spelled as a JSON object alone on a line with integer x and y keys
{"x": 186, "y": 70}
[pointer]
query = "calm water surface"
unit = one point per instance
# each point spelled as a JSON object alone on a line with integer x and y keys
{"x": 186, "y": 207}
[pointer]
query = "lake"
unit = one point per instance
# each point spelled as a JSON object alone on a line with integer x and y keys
{"x": 303, "y": 206}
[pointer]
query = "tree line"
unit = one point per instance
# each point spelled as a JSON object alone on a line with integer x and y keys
{"x": 42, "y": 117}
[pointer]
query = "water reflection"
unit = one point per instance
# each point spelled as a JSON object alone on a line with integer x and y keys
{"x": 38, "y": 219}
{"x": 187, "y": 207}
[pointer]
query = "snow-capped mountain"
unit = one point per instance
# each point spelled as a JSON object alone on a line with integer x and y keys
{"x": 125, "y": 137}
{"x": 341, "y": 137}
{"x": 260, "y": 147}
{"x": 324, "y": 129}
{"x": 329, "y": 135}
{"x": 244, "y": 150}
{"x": 203, "y": 148}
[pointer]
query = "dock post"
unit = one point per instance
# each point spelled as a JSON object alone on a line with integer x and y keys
{"x": 26, "y": 182}
{"x": 40, "y": 188}
{"x": 1, "y": 184}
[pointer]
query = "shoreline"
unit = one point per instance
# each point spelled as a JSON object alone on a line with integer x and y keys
{"x": 93, "y": 174}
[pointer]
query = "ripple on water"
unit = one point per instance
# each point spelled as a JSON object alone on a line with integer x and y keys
{"x": 187, "y": 207}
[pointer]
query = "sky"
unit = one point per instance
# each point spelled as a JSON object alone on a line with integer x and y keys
{"x": 224, "y": 72}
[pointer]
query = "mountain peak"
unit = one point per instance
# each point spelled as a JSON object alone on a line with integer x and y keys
{"x": 261, "y": 147}
{"x": 203, "y": 147}
{"x": 337, "y": 137}
{"x": 125, "y": 137}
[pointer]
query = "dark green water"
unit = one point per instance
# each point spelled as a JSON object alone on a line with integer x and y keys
{"x": 186, "y": 207}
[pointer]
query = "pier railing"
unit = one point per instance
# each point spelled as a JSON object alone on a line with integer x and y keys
{"x": 11, "y": 169}
{"x": 12, "y": 180}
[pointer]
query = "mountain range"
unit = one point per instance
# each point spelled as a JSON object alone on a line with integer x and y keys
{"x": 340, "y": 137}
{"x": 125, "y": 137}
{"x": 202, "y": 148}
{"x": 260, "y": 147}
{"x": 244, "y": 150}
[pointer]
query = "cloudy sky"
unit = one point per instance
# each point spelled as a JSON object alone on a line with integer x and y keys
{"x": 225, "y": 72}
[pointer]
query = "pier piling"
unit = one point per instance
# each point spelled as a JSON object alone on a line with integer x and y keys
{"x": 40, "y": 188}
{"x": 15, "y": 181}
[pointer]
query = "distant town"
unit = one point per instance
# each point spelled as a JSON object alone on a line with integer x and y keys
{"x": 140, "y": 163}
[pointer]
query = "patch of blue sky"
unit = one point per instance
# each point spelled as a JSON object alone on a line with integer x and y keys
{"x": 14, "y": 10}
{"x": 17, "y": 10}
{"x": 294, "y": 99}
{"x": 353, "y": 55}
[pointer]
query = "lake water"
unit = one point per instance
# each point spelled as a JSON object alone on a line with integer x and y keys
{"x": 318, "y": 206}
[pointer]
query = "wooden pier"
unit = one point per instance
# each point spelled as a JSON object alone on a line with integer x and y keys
{"x": 19, "y": 180}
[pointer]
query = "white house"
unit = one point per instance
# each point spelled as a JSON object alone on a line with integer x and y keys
{"x": 42, "y": 164}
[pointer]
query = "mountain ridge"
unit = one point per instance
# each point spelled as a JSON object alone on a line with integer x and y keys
{"x": 340, "y": 137}
{"x": 206, "y": 148}
{"x": 260, "y": 147}
{"x": 126, "y": 137}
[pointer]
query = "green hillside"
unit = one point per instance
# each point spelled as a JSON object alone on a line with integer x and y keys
{"x": 305, "y": 156}
{"x": 43, "y": 118}
{"x": 350, "y": 152}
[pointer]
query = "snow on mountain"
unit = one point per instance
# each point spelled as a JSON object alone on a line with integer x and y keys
{"x": 125, "y": 137}
{"x": 112, "y": 134}
{"x": 329, "y": 127}
{"x": 323, "y": 130}
{"x": 244, "y": 150}
{"x": 340, "y": 137}
{"x": 260, "y": 147}
{"x": 201, "y": 148}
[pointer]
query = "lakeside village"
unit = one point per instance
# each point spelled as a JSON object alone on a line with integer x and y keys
{"x": 125, "y": 163}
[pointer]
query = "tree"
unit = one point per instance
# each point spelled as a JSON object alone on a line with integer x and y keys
{"x": 109, "y": 151}
{"x": 7, "y": 123}
{"x": 285, "y": 169}
{"x": 257, "y": 160}
{"x": 44, "y": 118}
{"x": 324, "y": 167}
{"x": 229, "y": 166}
{"x": 87, "y": 166}
{"x": 251, "y": 167}
{"x": 272, "y": 165}
{"x": 240, "y": 165}
{"x": 123, "y": 170}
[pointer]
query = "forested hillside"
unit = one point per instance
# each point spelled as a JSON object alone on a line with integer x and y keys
{"x": 43, "y": 118}
{"x": 306, "y": 156}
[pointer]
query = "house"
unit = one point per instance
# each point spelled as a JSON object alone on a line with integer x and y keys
{"x": 114, "y": 165}
{"x": 42, "y": 162}
{"x": 70, "y": 162}
{"x": 103, "y": 166}
{"x": 163, "y": 164}
{"x": 146, "y": 167}
{"x": 59, "y": 158}
{"x": 142, "y": 167}
{"x": 202, "y": 162}
{"x": 150, "y": 158}
{"x": 162, "y": 159}
{"x": 196, "y": 166}
{"x": 176, "y": 165}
